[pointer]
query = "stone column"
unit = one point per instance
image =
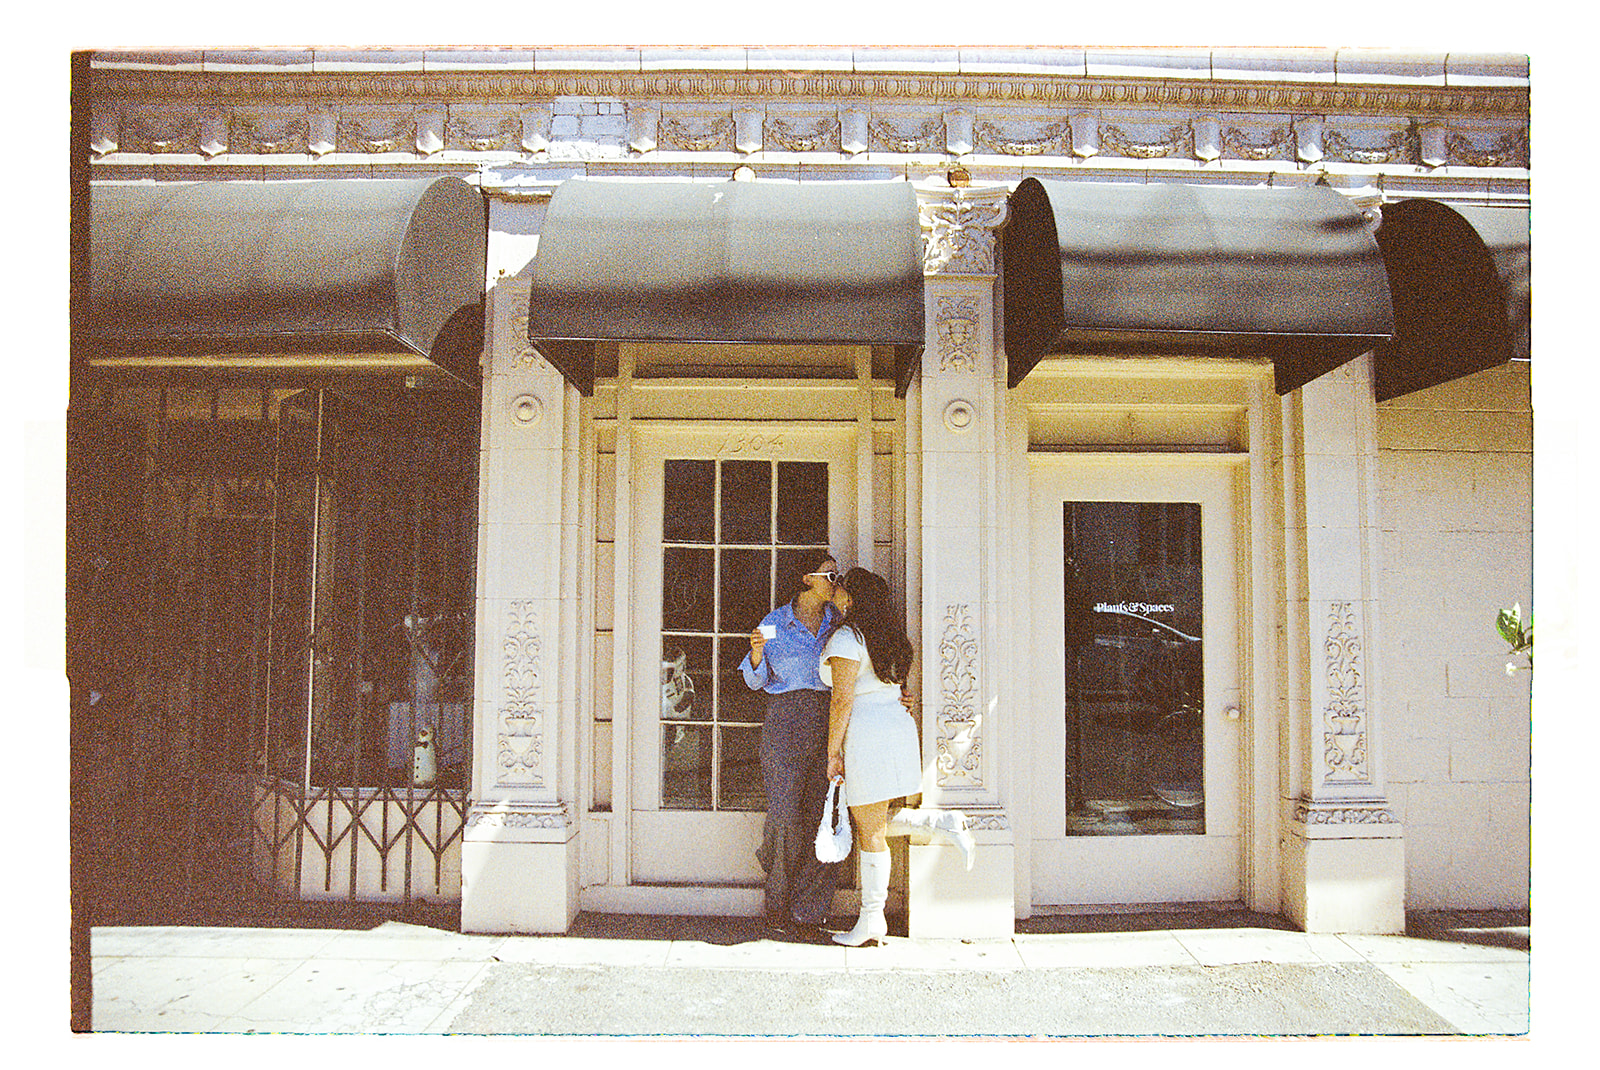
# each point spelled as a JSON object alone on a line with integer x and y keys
{"x": 519, "y": 853}
{"x": 957, "y": 411}
{"x": 1344, "y": 851}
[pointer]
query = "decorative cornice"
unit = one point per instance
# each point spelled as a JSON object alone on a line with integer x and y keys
{"x": 1034, "y": 90}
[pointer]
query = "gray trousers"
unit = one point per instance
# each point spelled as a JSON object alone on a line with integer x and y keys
{"x": 794, "y": 770}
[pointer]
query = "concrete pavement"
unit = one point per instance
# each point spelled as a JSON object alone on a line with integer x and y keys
{"x": 1146, "y": 975}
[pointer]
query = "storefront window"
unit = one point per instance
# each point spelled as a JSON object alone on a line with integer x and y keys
{"x": 732, "y": 532}
{"x": 374, "y": 542}
{"x": 1135, "y": 747}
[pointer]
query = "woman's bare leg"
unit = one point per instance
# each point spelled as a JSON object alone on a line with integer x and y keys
{"x": 872, "y": 855}
{"x": 924, "y": 825}
{"x": 870, "y": 824}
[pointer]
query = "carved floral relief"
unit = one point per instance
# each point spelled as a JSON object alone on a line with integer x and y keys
{"x": 520, "y": 750}
{"x": 1344, "y": 716}
{"x": 959, "y": 745}
{"x": 961, "y": 235}
{"x": 817, "y": 135}
{"x": 268, "y": 134}
{"x": 957, "y": 324}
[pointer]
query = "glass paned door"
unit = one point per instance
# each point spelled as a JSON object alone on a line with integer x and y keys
{"x": 1136, "y": 642}
{"x": 721, "y": 530}
{"x": 728, "y": 534}
{"x": 1132, "y": 617}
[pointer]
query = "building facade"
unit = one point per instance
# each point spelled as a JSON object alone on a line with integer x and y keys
{"x": 442, "y": 422}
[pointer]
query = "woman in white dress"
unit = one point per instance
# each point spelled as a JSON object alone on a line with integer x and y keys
{"x": 872, "y": 741}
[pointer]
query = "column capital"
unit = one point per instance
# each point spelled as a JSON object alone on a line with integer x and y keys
{"x": 958, "y": 225}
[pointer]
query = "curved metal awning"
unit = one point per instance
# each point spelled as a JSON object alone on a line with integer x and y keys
{"x": 726, "y": 262}
{"x": 1293, "y": 274}
{"x": 361, "y": 275}
{"x": 1460, "y": 279}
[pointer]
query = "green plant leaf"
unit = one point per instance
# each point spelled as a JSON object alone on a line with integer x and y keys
{"x": 1508, "y": 626}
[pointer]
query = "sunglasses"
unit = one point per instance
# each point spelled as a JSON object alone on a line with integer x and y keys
{"x": 831, "y": 577}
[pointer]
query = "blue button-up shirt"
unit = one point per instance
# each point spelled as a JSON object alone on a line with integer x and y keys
{"x": 790, "y": 661}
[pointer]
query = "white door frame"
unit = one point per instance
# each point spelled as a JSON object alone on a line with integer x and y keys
{"x": 1146, "y": 868}
{"x": 692, "y": 847}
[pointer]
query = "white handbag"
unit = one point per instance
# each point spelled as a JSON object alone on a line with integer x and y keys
{"x": 833, "y": 833}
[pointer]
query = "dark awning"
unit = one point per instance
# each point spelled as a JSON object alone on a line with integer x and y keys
{"x": 1461, "y": 292}
{"x": 362, "y": 275}
{"x": 1293, "y": 274}
{"x": 726, "y": 262}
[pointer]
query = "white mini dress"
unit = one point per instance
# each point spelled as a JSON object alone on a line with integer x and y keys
{"x": 881, "y": 758}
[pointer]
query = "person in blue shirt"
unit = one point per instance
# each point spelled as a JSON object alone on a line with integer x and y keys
{"x": 785, "y": 651}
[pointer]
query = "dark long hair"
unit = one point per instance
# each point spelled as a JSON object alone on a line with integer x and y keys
{"x": 873, "y": 616}
{"x": 801, "y": 566}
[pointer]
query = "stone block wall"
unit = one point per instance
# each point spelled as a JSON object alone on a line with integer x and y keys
{"x": 1456, "y": 513}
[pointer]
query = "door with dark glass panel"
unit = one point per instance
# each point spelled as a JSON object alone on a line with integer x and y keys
{"x": 1135, "y": 633}
{"x": 721, "y": 517}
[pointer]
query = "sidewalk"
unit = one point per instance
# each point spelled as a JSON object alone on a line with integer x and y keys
{"x": 1160, "y": 975}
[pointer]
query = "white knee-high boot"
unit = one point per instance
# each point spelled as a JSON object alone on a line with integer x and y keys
{"x": 949, "y": 825}
{"x": 874, "y": 894}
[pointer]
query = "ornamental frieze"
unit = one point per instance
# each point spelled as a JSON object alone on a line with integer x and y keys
{"x": 523, "y": 86}
{"x": 513, "y": 815}
{"x": 817, "y": 135}
{"x": 529, "y": 129}
{"x": 483, "y": 131}
{"x": 1054, "y": 139}
{"x": 1508, "y": 150}
{"x": 160, "y": 131}
{"x": 1175, "y": 141}
{"x": 977, "y": 821}
{"x": 713, "y": 135}
{"x": 1278, "y": 144}
{"x": 888, "y": 137}
{"x": 1401, "y": 146}
{"x": 264, "y": 134}
{"x": 377, "y": 133}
